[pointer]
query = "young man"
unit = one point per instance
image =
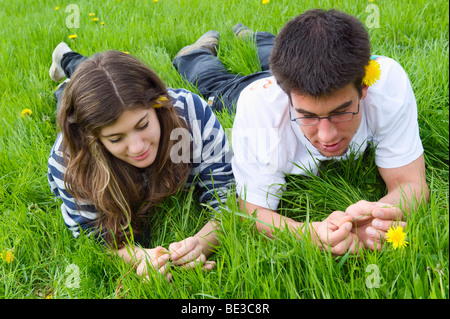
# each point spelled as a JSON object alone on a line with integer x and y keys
{"x": 323, "y": 100}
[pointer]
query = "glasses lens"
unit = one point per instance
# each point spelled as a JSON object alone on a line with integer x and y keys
{"x": 307, "y": 120}
{"x": 343, "y": 117}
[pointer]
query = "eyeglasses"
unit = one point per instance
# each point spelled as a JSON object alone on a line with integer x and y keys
{"x": 313, "y": 120}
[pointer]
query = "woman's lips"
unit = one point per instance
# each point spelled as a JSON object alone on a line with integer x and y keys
{"x": 142, "y": 156}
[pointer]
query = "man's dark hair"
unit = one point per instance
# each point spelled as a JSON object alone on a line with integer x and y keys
{"x": 319, "y": 52}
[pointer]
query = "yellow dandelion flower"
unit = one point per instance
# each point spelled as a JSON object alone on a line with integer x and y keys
{"x": 397, "y": 237}
{"x": 265, "y": 1}
{"x": 73, "y": 36}
{"x": 102, "y": 23}
{"x": 161, "y": 99}
{"x": 373, "y": 73}
{"x": 94, "y": 19}
{"x": 57, "y": 8}
{"x": 7, "y": 256}
{"x": 92, "y": 14}
{"x": 26, "y": 112}
{"x": 155, "y": 1}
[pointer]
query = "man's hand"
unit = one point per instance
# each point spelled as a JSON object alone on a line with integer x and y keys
{"x": 371, "y": 221}
{"x": 188, "y": 253}
{"x": 334, "y": 234}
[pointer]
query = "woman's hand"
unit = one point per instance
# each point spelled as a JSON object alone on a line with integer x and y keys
{"x": 156, "y": 258}
{"x": 188, "y": 253}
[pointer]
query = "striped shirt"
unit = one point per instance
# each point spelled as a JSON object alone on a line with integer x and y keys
{"x": 210, "y": 156}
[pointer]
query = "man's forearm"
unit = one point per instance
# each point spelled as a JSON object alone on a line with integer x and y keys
{"x": 407, "y": 196}
{"x": 267, "y": 220}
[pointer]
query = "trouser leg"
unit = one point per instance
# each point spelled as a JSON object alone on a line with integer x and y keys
{"x": 264, "y": 44}
{"x": 69, "y": 64}
{"x": 205, "y": 71}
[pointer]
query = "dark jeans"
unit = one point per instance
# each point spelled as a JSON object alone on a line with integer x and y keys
{"x": 69, "y": 64}
{"x": 204, "y": 70}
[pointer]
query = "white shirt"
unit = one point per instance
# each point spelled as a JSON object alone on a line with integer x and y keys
{"x": 267, "y": 144}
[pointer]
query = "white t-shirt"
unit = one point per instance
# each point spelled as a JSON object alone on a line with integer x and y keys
{"x": 267, "y": 144}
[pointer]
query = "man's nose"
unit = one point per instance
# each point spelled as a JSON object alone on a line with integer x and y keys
{"x": 326, "y": 131}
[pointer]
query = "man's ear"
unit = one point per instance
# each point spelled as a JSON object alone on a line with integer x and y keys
{"x": 364, "y": 90}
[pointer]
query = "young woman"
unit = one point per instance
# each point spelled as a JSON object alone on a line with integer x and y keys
{"x": 127, "y": 142}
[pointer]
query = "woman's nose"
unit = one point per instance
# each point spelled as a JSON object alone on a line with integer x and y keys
{"x": 136, "y": 145}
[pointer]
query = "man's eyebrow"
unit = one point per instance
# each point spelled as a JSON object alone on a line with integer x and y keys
{"x": 115, "y": 134}
{"x": 337, "y": 109}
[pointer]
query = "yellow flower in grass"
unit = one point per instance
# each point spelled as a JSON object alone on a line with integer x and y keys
{"x": 57, "y": 8}
{"x": 373, "y": 73}
{"x": 92, "y": 14}
{"x": 94, "y": 19}
{"x": 265, "y": 1}
{"x": 397, "y": 237}
{"x": 26, "y": 112}
{"x": 7, "y": 256}
{"x": 72, "y": 36}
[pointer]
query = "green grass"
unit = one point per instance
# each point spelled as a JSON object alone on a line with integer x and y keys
{"x": 48, "y": 258}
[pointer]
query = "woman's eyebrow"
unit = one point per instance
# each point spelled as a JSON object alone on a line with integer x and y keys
{"x": 138, "y": 122}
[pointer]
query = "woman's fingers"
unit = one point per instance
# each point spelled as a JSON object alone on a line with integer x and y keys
{"x": 185, "y": 251}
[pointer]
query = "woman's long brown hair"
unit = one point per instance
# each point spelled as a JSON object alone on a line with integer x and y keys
{"x": 100, "y": 90}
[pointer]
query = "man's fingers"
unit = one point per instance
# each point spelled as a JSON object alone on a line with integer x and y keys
{"x": 388, "y": 213}
{"x": 348, "y": 244}
{"x": 358, "y": 209}
{"x": 338, "y": 218}
{"x": 384, "y": 225}
{"x": 332, "y": 238}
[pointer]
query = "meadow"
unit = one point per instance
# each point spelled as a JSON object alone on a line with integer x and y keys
{"x": 41, "y": 259}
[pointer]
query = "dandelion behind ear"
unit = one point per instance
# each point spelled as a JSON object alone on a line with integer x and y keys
{"x": 160, "y": 101}
{"x": 373, "y": 72}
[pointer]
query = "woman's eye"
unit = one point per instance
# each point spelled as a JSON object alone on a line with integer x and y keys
{"x": 115, "y": 140}
{"x": 143, "y": 127}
